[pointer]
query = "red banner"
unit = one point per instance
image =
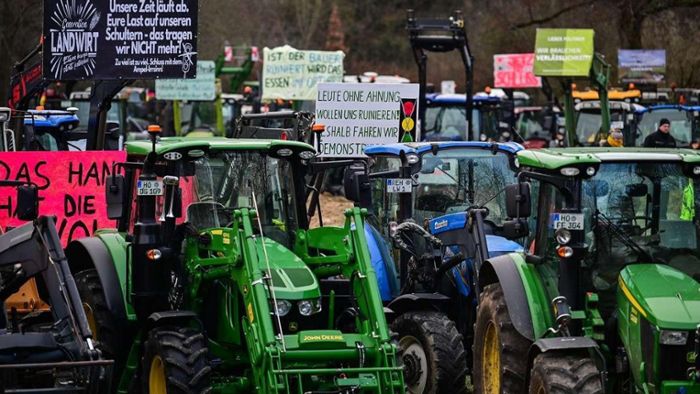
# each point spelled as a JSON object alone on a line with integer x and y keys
{"x": 514, "y": 71}
{"x": 71, "y": 187}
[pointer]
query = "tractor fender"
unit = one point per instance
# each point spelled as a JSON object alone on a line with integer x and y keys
{"x": 88, "y": 253}
{"x": 524, "y": 293}
{"x": 563, "y": 344}
{"x": 172, "y": 318}
{"x": 418, "y": 302}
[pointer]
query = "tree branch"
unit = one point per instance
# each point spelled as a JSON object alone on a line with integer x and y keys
{"x": 554, "y": 15}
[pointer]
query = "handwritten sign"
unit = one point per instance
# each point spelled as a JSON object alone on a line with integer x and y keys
{"x": 71, "y": 187}
{"x": 514, "y": 71}
{"x": 120, "y": 39}
{"x": 356, "y": 115}
{"x": 563, "y": 52}
{"x": 290, "y": 74}
{"x": 202, "y": 88}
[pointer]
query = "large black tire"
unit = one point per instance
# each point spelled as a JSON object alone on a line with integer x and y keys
{"x": 184, "y": 364}
{"x": 443, "y": 356}
{"x": 112, "y": 343}
{"x": 500, "y": 352}
{"x": 557, "y": 373}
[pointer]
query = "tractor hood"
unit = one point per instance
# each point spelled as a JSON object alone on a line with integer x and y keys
{"x": 291, "y": 278}
{"x": 664, "y": 295}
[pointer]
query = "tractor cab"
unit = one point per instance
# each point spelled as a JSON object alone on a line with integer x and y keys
{"x": 445, "y": 118}
{"x": 685, "y": 124}
{"x": 589, "y": 120}
{"x": 612, "y": 267}
{"x": 539, "y": 127}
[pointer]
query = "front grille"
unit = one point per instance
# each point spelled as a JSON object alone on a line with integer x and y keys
{"x": 673, "y": 360}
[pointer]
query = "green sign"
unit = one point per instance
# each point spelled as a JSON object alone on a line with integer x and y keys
{"x": 563, "y": 52}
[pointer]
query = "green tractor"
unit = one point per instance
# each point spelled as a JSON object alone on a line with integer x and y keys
{"x": 608, "y": 297}
{"x": 214, "y": 281}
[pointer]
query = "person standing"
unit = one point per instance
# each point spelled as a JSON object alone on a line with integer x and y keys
{"x": 662, "y": 137}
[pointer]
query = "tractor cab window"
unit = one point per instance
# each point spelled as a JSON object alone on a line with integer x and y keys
{"x": 455, "y": 179}
{"x": 233, "y": 180}
{"x": 385, "y": 206}
{"x": 449, "y": 122}
{"x": 633, "y": 213}
{"x": 681, "y": 125}
{"x": 588, "y": 123}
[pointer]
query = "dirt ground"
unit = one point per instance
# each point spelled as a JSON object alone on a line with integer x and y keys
{"x": 332, "y": 209}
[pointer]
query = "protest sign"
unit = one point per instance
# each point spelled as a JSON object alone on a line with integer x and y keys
{"x": 71, "y": 187}
{"x": 290, "y": 74}
{"x": 119, "y": 39}
{"x": 202, "y": 88}
{"x": 641, "y": 65}
{"x": 356, "y": 115}
{"x": 563, "y": 52}
{"x": 514, "y": 71}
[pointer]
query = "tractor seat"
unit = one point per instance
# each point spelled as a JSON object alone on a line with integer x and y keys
{"x": 33, "y": 347}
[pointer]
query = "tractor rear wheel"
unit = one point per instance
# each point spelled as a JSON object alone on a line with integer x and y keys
{"x": 432, "y": 352}
{"x": 557, "y": 373}
{"x": 500, "y": 352}
{"x": 175, "y": 362}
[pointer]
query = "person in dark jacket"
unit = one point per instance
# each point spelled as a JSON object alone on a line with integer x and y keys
{"x": 662, "y": 137}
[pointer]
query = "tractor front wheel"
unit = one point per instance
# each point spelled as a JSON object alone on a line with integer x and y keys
{"x": 500, "y": 352}
{"x": 175, "y": 362}
{"x": 432, "y": 353}
{"x": 556, "y": 373}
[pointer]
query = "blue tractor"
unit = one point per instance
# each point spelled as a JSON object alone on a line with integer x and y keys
{"x": 422, "y": 197}
{"x": 52, "y": 130}
{"x": 445, "y": 118}
{"x": 685, "y": 124}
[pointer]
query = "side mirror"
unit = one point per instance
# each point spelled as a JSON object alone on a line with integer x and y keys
{"x": 515, "y": 229}
{"x": 518, "y": 200}
{"x": 114, "y": 195}
{"x": 357, "y": 185}
{"x": 27, "y": 202}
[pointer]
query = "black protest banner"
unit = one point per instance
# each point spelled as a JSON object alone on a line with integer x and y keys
{"x": 120, "y": 39}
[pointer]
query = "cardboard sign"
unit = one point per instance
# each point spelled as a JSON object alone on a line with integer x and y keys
{"x": 641, "y": 65}
{"x": 290, "y": 74}
{"x": 71, "y": 187}
{"x": 563, "y": 52}
{"x": 120, "y": 39}
{"x": 202, "y": 88}
{"x": 514, "y": 71}
{"x": 360, "y": 114}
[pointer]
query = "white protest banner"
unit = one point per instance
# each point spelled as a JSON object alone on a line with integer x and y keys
{"x": 202, "y": 88}
{"x": 360, "y": 114}
{"x": 290, "y": 74}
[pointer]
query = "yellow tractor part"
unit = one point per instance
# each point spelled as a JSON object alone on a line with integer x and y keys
{"x": 26, "y": 299}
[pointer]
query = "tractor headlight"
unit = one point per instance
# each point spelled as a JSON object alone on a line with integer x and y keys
{"x": 696, "y": 170}
{"x": 590, "y": 171}
{"x": 309, "y": 307}
{"x": 283, "y": 307}
{"x": 412, "y": 158}
{"x": 307, "y": 154}
{"x": 667, "y": 337}
{"x": 563, "y": 236}
{"x": 570, "y": 171}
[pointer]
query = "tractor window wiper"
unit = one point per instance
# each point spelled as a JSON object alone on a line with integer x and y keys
{"x": 623, "y": 237}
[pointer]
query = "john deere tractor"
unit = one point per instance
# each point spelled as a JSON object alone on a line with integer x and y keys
{"x": 608, "y": 297}
{"x": 213, "y": 279}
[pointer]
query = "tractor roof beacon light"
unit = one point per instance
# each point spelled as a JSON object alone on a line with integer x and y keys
{"x": 153, "y": 131}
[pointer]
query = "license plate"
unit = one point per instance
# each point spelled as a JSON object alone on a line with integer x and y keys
{"x": 149, "y": 188}
{"x": 569, "y": 221}
{"x": 399, "y": 185}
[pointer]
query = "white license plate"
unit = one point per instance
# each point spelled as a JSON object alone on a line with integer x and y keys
{"x": 399, "y": 185}
{"x": 149, "y": 188}
{"x": 569, "y": 221}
